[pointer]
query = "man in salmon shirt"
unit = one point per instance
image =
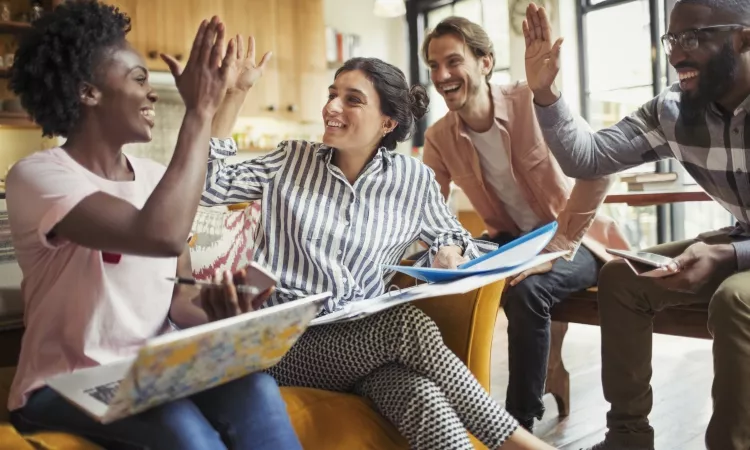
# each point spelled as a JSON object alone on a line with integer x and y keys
{"x": 490, "y": 145}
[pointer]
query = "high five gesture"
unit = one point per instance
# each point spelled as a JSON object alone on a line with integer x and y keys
{"x": 542, "y": 56}
{"x": 209, "y": 71}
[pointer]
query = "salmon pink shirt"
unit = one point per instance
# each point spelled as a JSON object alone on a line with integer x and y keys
{"x": 82, "y": 307}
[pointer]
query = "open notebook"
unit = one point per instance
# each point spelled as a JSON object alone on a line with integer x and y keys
{"x": 514, "y": 254}
{"x": 362, "y": 308}
{"x": 182, "y": 363}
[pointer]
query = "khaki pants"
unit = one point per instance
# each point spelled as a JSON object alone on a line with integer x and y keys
{"x": 627, "y": 304}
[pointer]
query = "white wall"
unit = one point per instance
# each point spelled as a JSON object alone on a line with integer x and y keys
{"x": 382, "y": 38}
{"x": 387, "y": 39}
{"x": 564, "y": 23}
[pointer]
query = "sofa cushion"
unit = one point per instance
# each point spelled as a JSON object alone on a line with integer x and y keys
{"x": 322, "y": 420}
{"x": 332, "y": 420}
{"x": 10, "y": 439}
{"x": 222, "y": 238}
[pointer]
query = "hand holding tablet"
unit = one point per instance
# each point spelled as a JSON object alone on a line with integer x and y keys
{"x": 647, "y": 264}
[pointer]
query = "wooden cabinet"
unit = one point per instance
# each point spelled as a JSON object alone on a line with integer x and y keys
{"x": 310, "y": 51}
{"x": 252, "y": 17}
{"x": 294, "y": 84}
{"x": 158, "y": 27}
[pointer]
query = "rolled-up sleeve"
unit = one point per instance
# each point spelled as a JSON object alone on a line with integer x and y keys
{"x": 228, "y": 184}
{"x": 441, "y": 228}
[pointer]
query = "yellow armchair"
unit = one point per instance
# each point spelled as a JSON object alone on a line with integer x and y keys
{"x": 334, "y": 421}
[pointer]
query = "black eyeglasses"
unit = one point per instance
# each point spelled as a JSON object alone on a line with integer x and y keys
{"x": 689, "y": 40}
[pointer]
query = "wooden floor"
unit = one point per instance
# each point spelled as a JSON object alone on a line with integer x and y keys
{"x": 681, "y": 382}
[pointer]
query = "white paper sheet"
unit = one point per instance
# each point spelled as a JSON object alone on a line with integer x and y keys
{"x": 364, "y": 308}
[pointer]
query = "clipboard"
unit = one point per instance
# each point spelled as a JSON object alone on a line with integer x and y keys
{"x": 513, "y": 254}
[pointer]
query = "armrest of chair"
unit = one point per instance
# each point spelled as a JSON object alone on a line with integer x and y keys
{"x": 466, "y": 321}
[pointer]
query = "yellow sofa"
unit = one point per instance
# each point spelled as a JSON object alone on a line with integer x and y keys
{"x": 323, "y": 420}
{"x": 327, "y": 420}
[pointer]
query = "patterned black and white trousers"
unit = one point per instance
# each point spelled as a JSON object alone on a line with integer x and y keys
{"x": 397, "y": 359}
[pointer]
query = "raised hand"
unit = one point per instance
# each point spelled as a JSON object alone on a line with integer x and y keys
{"x": 542, "y": 56}
{"x": 245, "y": 71}
{"x": 206, "y": 76}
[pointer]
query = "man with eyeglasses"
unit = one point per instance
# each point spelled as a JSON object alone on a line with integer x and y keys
{"x": 703, "y": 122}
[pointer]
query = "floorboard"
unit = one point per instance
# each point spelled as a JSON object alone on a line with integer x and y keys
{"x": 682, "y": 375}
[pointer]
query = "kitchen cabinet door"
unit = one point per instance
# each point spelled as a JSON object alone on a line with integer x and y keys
{"x": 258, "y": 18}
{"x": 312, "y": 74}
{"x": 157, "y": 27}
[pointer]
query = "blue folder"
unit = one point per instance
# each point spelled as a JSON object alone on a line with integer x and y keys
{"x": 519, "y": 251}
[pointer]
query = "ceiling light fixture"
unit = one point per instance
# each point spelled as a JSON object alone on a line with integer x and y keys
{"x": 389, "y": 8}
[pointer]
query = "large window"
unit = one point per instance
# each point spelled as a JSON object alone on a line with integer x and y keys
{"x": 620, "y": 73}
{"x": 623, "y": 67}
{"x": 493, "y": 16}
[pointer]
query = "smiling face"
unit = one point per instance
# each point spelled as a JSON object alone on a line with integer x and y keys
{"x": 455, "y": 72}
{"x": 121, "y": 97}
{"x": 708, "y": 73}
{"x": 352, "y": 116}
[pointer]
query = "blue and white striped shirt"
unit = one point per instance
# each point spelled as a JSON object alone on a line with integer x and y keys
{"x": 321, "y": 233}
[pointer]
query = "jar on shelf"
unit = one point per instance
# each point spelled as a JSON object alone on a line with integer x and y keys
{"x": 36, "y": 11}
{"x": 5, "y": 13}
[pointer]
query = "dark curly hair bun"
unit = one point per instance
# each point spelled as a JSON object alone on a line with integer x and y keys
{"x": 398, "y": 101}
{"x": 419, "y": 101}
{"x": 58, "y": 54}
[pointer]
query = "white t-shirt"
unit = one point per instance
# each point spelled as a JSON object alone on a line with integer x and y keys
{"x": 83, "y": 307}
{"x": 495, "y": 163}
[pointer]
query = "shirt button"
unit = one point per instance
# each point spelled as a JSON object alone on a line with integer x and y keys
{"x": 736, "y": 131}
{"x": 338, "y": 252}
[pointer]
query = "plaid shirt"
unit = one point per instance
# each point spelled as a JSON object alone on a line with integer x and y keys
{"x": 713, "y": 150}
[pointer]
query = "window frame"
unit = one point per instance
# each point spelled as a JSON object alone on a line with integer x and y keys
{"x": 452, "y": 3}
{"x": 665, "y": 220}
{"x": 416, "y": 16}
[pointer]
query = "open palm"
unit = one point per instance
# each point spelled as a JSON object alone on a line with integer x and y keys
{"x": 245, "y": 71}
{"x": 542, "y": 57}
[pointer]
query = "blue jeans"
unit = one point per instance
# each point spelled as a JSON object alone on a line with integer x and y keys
{"x": 247, "y": 413}
{"x": 527, "y": 306}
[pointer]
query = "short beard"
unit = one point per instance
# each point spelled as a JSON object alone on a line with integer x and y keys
{"x": 716, "y": 79}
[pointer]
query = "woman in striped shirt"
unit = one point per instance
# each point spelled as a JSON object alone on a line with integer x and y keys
{"x": 333, "y": 214}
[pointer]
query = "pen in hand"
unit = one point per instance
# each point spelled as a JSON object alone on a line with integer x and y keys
{"x": 241, "y": 288}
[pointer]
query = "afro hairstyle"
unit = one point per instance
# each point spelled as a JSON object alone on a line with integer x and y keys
{"x": 58, "y": 54}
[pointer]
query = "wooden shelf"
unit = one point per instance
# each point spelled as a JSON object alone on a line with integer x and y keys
{"x": 13, "y": 27}
{"x": 658, "y": 198}
{"x": 16, "y": 120}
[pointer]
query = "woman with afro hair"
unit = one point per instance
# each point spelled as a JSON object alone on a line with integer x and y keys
{"x": 96, "y": 232}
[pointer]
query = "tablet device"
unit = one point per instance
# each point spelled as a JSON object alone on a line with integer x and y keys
{"x": 645, "y": 263}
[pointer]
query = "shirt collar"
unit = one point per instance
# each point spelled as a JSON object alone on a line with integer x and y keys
{"x": 499, "y": 110}
{"x": 383, "y": 154}
{"x": 744, "y": 107}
